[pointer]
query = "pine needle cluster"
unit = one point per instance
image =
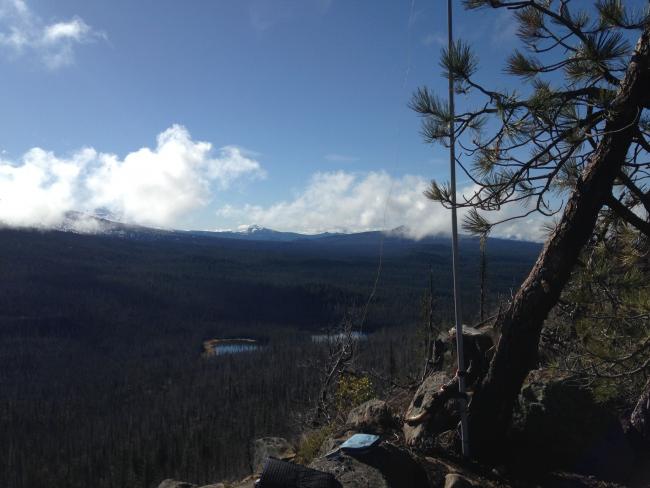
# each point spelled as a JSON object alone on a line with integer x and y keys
{"x": 529, "y": 147}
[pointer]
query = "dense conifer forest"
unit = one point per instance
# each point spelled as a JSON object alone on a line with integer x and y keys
{"x": 102, "y": 380}
{"x": 131, "y": 355}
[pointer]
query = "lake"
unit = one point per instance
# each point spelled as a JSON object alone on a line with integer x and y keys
{"x": 356, "y": 336}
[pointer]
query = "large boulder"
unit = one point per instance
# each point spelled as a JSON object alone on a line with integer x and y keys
{"x": 478, "y": 348}
{"x": 557, "y": 424}
{"x": 350, "y": 472}
{"x": 445, "y": 473}
{"x": 175, "y": 484}
{"x": 455, "y": 480}
{"x": 371, "y": 417}
{"x": 479, "y": 339}
{"x": 448, "y": 441}
{"x": 266, "y": 447}
{"x": 574, "y": 480}
{"x": 433, "y": 419}
{"x": 385, "y": 466}
{"x": 169, "y": 483}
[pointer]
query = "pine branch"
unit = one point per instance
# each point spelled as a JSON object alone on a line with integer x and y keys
{"x": 475, "y": 224}
{"x": 627, "y": 215}
{"x": 459, "y": 61}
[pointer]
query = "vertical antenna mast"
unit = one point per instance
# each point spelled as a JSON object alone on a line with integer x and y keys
{"x": 454, "y": 239}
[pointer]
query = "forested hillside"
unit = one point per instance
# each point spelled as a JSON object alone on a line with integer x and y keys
{"x": 102, "y": 381}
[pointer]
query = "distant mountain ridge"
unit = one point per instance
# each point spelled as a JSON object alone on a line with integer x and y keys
{"x": 259, "y": 233}
{"x": 397, "y": 239}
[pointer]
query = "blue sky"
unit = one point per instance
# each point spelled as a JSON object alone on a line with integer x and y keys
{"x": 303, "y": 104}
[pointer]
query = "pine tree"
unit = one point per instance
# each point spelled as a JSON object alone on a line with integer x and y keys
{"x": 476, "y": 224}
{"x": 600, "y": 329}
{"x": 579, "y": 131}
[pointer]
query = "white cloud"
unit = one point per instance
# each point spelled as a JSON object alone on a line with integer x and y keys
{"x": 24, "y": 32}
{"x": 348, "y": 202}
{"x": 149, "y": 186}
{"x": 76, "y": 29}
{"x": 161, "y": 186}
{"x": 41, "y": 189}
{"x": 434, "y": 38}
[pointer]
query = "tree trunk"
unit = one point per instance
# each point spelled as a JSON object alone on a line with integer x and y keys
{"x": 520, "y": 325}
{"x": 640, "y": 418}
{"x": 482, "y": 276}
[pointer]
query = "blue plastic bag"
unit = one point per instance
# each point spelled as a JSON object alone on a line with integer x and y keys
{"x": 360, "y": 443}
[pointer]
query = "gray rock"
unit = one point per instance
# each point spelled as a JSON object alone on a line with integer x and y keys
{"x": 448, "y": 441}
{"x": 439, "y": 470}
{"x": 275, "y": 447}
{"x": 455, "y": 480}
{"x": 434, "y": 421}
{"x": 175, "y": 484}
{"x": 372, "y": 417}
{"x": 558, "y": 425}
{"x": 483, "y": 335}
{"x": 333, "y": 442}
{"x": 385, "y": 466}
{"x": 477, "y": 345}
{"x": 350, "y": 472}
{"x": 573, "y": 480}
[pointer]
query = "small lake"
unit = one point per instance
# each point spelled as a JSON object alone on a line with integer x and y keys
{"x": 356, "y": 336}
{"x": 223, "y": 347}
{"x": 220, "y": 349}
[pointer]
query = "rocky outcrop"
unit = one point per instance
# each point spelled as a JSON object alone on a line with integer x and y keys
{"x": 559, "y": 425}
{"x": 274, "y": 447}
{"x": 444, "y": 472}
{"x": 573, "y": 480}
{"x": 350, "y": 472}
{"x": 455, "y": 480}
{"x": 434, "y": 408}
{"x": 448, "y": 442}
{"x": 247, "y": 483}
{"x": 385, "y": 466}
{"x": 372, "y": 417}
{"x": 175, "y": 484}
{"x": 478, "y": 348}
{"x": 426, "y": 416}
{"x": 182, "y": 484}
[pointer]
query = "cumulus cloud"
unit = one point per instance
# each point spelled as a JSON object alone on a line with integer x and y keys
{"x": 41, "y": 188}
{"x": 349, "y": 202}
{"x": 148, "y": 186}
{"x": 75, "y": 30}
{"x": 24, "y": 32}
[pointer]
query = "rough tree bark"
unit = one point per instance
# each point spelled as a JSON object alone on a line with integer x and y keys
{"x": 640, "y": 418}
{"x": 521, "y": 324}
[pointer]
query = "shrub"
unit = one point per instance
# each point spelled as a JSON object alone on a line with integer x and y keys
{"x": 311, "y": 444}
{"x": 351, "y": 392}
